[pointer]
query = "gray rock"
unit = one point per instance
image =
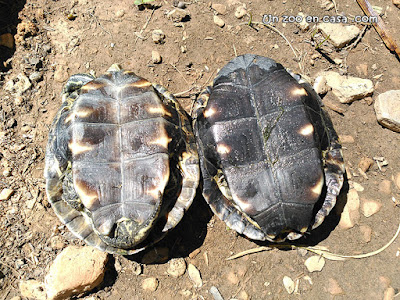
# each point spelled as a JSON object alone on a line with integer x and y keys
{"x": 387, "y": 109}
{"x": 339, "y": 35}
{"x": 348, "y": 88}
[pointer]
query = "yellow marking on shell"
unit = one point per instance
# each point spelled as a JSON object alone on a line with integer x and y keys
{"x": 162, "y": 141}
{"x": 141, "y": 83}
{"x": 92, "y": 85}
{"x": 155, "y": 193}
{"x": 244, "y": 206}
{"x": 296, "y": 91}
{"x": 209, "y": 112}
{"x": 304, "y": 229}
{"x": 123, "y": 219}
{"x": 158, "y": 110}
{"x": 78, "y": 148}
{"x": 307, "y": 130}
{"x": 271, "y": 236}
{"x": 317, "y": 188}
{"x": 87, "y": 196}
{"x": 223, "y": 149}
{"x": 82, "y": 113}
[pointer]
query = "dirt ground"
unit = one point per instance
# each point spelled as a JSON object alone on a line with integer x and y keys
{"x": 58, "y": 38}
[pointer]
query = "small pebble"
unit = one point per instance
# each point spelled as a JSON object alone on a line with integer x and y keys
{"x": 385, "y": 187}
{"x": 150, "y": 284}
{"x": 315, "y": 263}
{"x": 240, "y": 12}
{"x": 358, "y": 187}
{"x": 219, "y": 8}
{"x": 320, "y": 85}
{"x": 215, "y": 293}
{"x": 194, "y": 275}
{"x": 7, "y": 172}
{"x": 6, "y": 194}
{"x": 370, "y": 207}
{"x": 365, "y": 163}
{"x": 346, "y": 139}
{"x": 334, "y": 287}
{"x": 61, "y": 74}
{"x": 219, "y": 21}
{"x": 397, "y": 180}
{"x": 35, "y": 76}
{"x": 366, "y": 233}
{"x": 135, "y": 268}
{"x": 120, "y": 13}
{"x": 288, "y": 284}
{"x": 243, "y": 295}
{"x": 176, "y": 267}
{"x": 158, "y": 36}
{"x": 156, "y": 57}
{"x": 389, "y": 294}
{"x": 57, "y": 242}
{"x": 232, "y": 278}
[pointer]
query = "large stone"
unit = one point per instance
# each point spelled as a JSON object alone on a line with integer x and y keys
{"x": 339, "y": 34}
{"x": 74, "y": 271}
{"x": 347, "y": 89}
{"x": 387, "y": 109}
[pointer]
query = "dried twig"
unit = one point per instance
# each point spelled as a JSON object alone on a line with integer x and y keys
{"x": 282, "y": 35}
{"x": 379, "y": 26}
{"x": 144, "y": 26}
{"x": 183, "y": 76}
{"x": 318, "y": 250}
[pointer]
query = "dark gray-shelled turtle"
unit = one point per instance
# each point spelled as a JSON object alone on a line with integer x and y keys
{"x": 270, "y": 158}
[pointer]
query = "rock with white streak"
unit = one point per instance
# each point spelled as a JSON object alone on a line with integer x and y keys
{"x": 338, "y": 34}
{"x": 387, "y": 109}
{"x": 347, "y": 88}
{"x": 74, "y": 271}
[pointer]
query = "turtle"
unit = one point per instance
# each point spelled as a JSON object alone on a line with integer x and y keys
{"x": 271, "y": 161}
{"x": 121, "y": 163}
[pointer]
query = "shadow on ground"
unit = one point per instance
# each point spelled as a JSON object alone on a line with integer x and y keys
{"x": 187, "y": 236}
{"x": 9, "y": 10}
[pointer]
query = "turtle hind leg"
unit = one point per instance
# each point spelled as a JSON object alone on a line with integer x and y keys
{"x": 334, "y": 176}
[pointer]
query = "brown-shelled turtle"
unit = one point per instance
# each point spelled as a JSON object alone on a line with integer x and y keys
{"x": 270, "y": 158}
{"x": 121, "y": 161}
